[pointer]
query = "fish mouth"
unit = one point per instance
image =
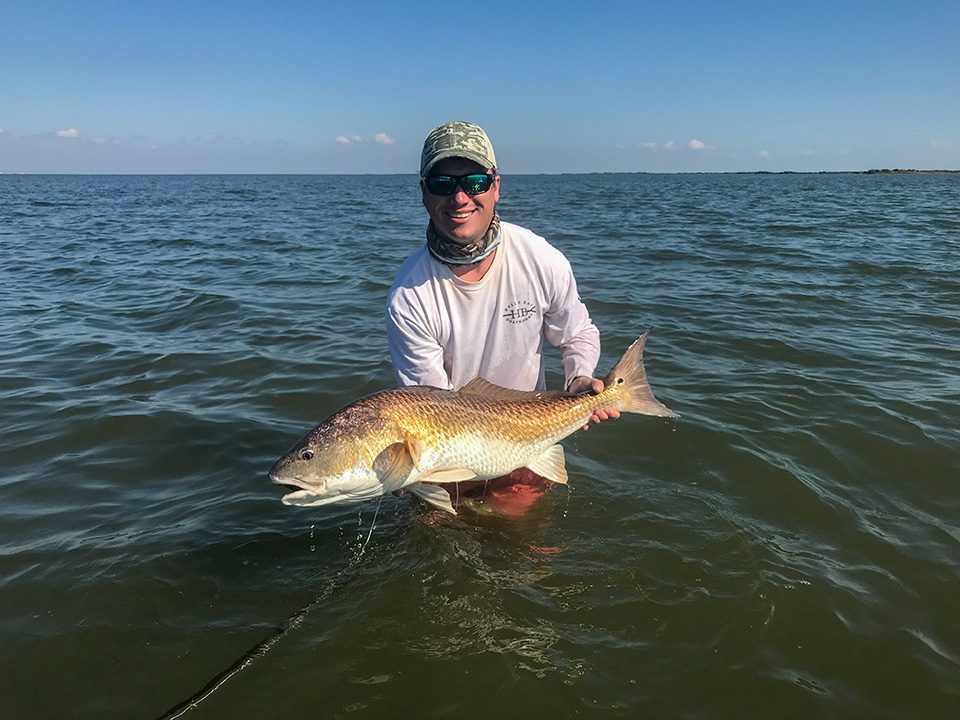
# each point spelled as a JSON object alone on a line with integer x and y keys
{"x": 312, "y": 498}
{"x": 295, "y": 485}
{"x": 304, "y": 498}
{"x": 304, "y": 494}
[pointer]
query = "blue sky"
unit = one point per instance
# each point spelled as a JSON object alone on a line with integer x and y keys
{"x": 353, "y": 87}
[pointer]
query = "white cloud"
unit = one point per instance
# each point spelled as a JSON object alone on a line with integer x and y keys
{"x": 383, "y": 139}
{"x": 669, "y": 144}
{"x": 648, "y": 145}
{"x": 68, "y": 133}
{"x": 764, "y": 153}
{"x": 695, "y": 145}
{"x": 347, "y": 139}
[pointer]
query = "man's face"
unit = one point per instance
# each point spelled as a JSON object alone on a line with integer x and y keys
{"x": 461, "y": 217}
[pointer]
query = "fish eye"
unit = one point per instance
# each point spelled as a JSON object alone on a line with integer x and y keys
{"x": 306, "y": 454}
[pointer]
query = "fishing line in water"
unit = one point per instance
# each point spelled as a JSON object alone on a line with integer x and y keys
{"x": 250, "y": 657}
{"x": 373, "y": 524}
{"x": 263, "y": 647}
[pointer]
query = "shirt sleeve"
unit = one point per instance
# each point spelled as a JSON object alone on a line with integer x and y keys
{"x": 567, "y": 325}
{"x": 416, "y": 353}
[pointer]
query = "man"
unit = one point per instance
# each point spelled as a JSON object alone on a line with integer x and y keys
{"x": 479, "y": 298}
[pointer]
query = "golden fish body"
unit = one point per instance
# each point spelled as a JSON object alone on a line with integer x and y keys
{"x": 417, "y": 437}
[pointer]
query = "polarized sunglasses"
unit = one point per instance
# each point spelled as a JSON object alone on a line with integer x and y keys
{"x": 473, "y": 184}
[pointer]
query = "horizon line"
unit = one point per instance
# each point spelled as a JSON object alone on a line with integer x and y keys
{"x": 870, "y": 171}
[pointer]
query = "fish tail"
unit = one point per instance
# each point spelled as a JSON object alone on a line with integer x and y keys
{"x": 632, "y": 387}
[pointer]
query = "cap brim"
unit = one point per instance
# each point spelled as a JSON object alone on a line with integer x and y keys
{"x": 466, "y": 154}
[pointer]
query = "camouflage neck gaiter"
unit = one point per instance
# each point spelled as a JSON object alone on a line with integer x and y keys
{"x": 450, "y": 252}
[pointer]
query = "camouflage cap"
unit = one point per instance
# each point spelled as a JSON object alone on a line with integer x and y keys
{"x": 457, "y": 139}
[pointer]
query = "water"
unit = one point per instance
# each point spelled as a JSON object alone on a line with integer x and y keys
{"x": 789, "y": 548}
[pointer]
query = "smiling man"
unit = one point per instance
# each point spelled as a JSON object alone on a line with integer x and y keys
{"x": 481, "y": 296}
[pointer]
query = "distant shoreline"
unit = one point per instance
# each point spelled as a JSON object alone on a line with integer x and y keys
{"x": 872, "y": 171}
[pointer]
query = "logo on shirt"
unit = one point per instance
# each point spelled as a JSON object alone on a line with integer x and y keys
{"x": 519, "y": 311}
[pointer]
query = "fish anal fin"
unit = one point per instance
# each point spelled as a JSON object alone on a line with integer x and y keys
{"x": 483, "y": 388}
{"x": 449, "y": 476}
{"x": 433, "y": 495}
{"x": 551, "y": 465}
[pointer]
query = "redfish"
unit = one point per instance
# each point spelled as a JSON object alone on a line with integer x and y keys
{"x": 416, "y": 437}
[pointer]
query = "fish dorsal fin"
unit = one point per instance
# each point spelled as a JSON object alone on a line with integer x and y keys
{"x": 484, "y": 388}
{"x": 434, "y": 495}
{"x": 551, "y": 465}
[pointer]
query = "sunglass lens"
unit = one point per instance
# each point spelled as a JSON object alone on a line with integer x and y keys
{"x": 447, "y": 184}
{"x": 476, "y": 184}
{"x": 441, "y": 184}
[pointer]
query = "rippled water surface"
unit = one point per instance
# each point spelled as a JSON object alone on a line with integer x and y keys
{"x": 788, "y": 548}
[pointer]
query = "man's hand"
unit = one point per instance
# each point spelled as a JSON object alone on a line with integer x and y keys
{"x": 584, "y": 384}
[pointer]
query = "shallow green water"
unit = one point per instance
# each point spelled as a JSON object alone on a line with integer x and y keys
{"x": 789, "y": 548}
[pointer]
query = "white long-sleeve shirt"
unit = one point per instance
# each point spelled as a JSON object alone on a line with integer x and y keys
{"x": 445, "y": 332}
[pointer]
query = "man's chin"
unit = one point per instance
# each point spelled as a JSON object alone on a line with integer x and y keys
{"x": 462, "y": 234}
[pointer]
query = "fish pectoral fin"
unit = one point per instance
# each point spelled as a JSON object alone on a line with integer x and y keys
{"x": 551, "y": 465}
{"x": 393, "y": 466}
{"x": 449, "y": 476}
{"x": 433, "y": 495}
{"x": 415, "y": 448}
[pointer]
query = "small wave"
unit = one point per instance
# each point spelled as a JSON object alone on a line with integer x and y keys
{"x": 246, "y": 194}
{"x": 194, "y": 311}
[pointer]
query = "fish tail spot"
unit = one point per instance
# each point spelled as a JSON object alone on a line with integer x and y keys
{"x": 630, "y": 375}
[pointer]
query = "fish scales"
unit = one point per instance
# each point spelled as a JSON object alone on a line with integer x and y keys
{"x": 487, "y": 435}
